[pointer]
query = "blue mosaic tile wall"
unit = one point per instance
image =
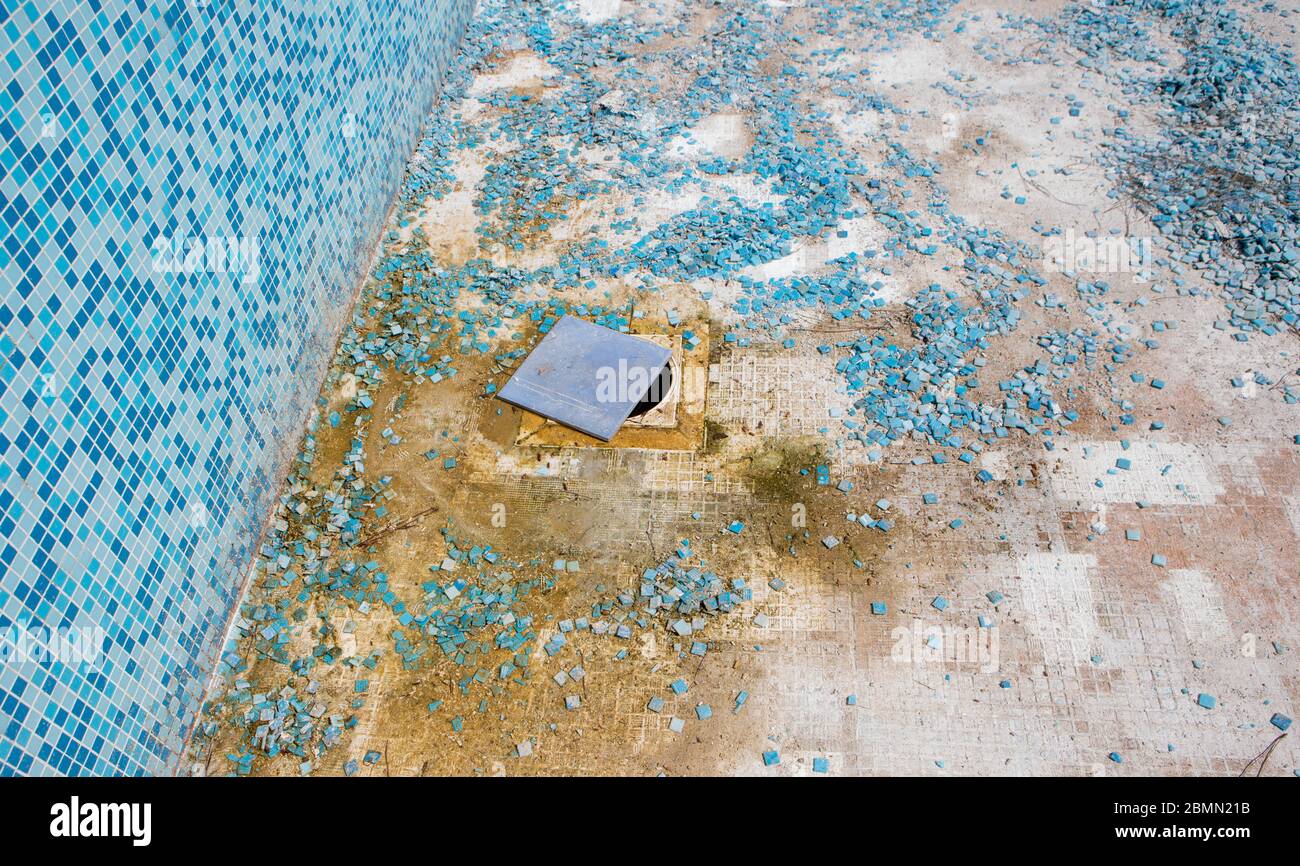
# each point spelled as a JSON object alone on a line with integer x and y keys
{"x": 190, "y": 192}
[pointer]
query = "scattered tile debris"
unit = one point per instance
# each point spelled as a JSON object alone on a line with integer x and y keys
{"x": 910, "y": 372}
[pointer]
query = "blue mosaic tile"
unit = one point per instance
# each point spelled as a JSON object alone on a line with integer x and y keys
{"x": 191, "y": 192}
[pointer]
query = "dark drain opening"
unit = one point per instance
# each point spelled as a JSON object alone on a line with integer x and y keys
{"x": 658, "y": 391}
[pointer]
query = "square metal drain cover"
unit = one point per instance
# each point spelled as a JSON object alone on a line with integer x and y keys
{"x": 586, "y": 376}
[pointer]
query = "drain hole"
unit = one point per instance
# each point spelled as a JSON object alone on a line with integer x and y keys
{"x": 658, "y": 391}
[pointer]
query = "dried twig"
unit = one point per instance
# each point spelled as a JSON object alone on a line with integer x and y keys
{"x": 403, "y": 524}
{"x": 1262, "y": 757}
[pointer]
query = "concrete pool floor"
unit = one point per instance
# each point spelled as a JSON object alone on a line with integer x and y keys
{"x": 1093, "y": 649}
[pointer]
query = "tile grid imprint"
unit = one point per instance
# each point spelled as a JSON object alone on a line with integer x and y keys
{"x": 147, "y": 401}
{"x": 1096, "y": 663}
{"x": 1062, "y": 712}
{"x": 775, "y": 395}
{"x": 1065, "y": 708}
{"x": 674, "y": 491}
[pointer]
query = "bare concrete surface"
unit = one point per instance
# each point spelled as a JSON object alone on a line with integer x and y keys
{"x": 1091, "y": 649}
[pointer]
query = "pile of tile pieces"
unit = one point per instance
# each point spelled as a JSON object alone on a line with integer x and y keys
{"x": 476, "y": 621}
{"x": 680, "y": 595}
{"x": 1219, "y": 175}
{"x": 676, "y": 594}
